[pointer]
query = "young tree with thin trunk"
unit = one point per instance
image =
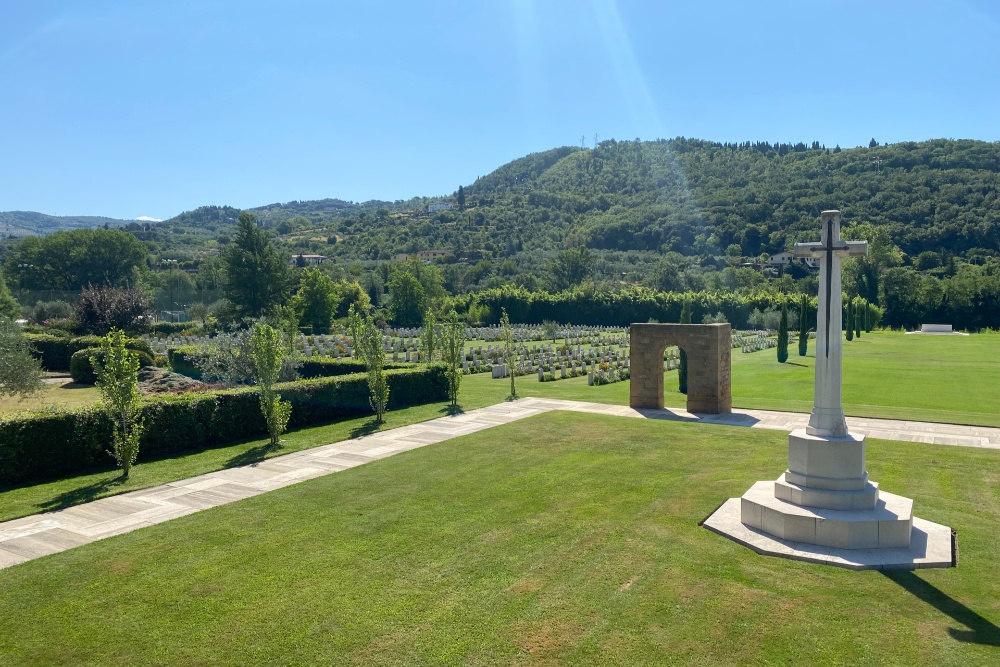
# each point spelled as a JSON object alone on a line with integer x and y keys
{"x": 430, "y": 340}
{"x": 368, "y": 345}
{"x": 783, "y": 333}
{"x": 117, "y": 379}
{"x": 268, "y": 350}
{"x": 682, "y": 370}
{"x": 509, "y": 350}
{"x": 453, "y": 352}
{"x": 803, "y": 325}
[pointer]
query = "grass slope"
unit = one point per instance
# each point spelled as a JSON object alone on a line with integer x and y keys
{"x": 562, "y": 539}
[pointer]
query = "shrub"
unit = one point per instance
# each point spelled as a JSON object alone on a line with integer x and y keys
{"x": 47, "y": 310}
{"x": 81, "y": 369}
{"x": 49, "y": 445}
{"x": 101, "y": 309}
{"x": 56, "y": 352}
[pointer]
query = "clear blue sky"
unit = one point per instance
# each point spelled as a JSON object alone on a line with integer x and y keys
{"x": 140, "y": 108}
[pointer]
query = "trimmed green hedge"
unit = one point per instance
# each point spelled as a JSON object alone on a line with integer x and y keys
{"x": 56, "y": 352}
{"x": 322, "y": 367}
{"x": 312, "y": 367}
{"x": 82, "y": 371}
{"x": 50, "y": 445}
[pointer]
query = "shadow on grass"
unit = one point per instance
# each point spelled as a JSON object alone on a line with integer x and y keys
{"x": 252, "y": 455}
{"x": 792, "y": 363}
{"x": 83, "y": 494}
{"x": 981, "y": 631}
{"x": 452, "y": 410}
{"x": 367, "y": 428}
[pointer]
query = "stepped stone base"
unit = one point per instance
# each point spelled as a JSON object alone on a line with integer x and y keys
{"x": 886, "y": 525}
{"x": 865, "y": 498}
{"x": 930, "y": 544}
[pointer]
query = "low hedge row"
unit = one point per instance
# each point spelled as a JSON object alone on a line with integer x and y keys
{"x": 82, "y": 370}
{"x": 50, "y": 445}
{"x": 56, "y": 352}
{"x": 312, "y": 367}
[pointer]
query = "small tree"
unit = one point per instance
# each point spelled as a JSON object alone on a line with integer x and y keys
{"x": 551, "y": 329}
{"x": 682, "y": 369}
{"x": 103, "y": 309}
{"x": 117, "y": 371}
{"x": 803, "y": 325}
{"x": 268, "y": 351}
{"x": 198, "y": 311}
{"x": 783, "y": 333}
{"x": 848, "y": 324}
{"x": 461, "y": 198}
{"x": 316, "y": 301}
{"x": 429, "y": 339}
{"x": 368, "y": 345}
{"x": 453, "y": 352}
{"x": 20, "y": 372}
{"x": 509, "y": 350}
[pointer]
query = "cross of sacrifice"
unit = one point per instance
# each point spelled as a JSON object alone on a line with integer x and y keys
{"x": 828, "y": 414}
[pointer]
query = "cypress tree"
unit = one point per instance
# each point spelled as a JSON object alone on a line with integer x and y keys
{"x": 783, "y": 333}
{"x": 850, "y": 315}
{"x": 682, "y": 370}
{"x": 803, "y": 325}
{"x": 857, "y": 317}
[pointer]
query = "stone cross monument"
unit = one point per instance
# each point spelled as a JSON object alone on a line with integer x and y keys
{"x": 828, "y": 414}
{"x": 823, "y": 508}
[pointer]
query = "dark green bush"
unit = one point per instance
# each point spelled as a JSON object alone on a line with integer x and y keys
{"x": 56, "y": 352}
{"x": 50, "y": 445}
{"x": 82, "y": 370}
{"x": 179, "y": 359}
{"x": 172, "y": 327}
{"x": 317, "y": 367}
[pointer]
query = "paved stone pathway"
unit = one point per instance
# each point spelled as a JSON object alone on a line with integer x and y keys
{"x": 43, "y": 534}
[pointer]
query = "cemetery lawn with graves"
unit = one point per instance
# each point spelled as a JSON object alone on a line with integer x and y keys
{"x": 886, "y": 374}
{"x": 564, "y": 538}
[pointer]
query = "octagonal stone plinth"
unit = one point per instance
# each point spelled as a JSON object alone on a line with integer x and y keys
{"x": 887, "y": 525}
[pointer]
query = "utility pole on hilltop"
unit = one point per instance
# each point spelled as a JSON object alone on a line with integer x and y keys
{"x": 583, "y": 141}
{"x": 595, "y": 139}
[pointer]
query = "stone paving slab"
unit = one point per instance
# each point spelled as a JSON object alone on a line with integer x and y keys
{"x": 34, "y": 536}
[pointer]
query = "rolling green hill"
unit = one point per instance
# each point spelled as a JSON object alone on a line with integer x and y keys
{"x": 26, "y": 223}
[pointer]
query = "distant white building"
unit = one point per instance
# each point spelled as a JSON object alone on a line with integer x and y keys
{"x": 786, "y": 258}
{"x": 440, "y": 206}
{"x": 309, "y": 259}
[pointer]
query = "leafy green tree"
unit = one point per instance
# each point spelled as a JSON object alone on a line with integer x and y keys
{"x": 8, "y": 304}
{"x": 368, "y": 345}
{"x": 268, "y": 350}
{"x": 315, "y": 304}
{"x": 571, "y": 267}
{"x": 862, "y": 274}
{"x": 783, "y": 333}
{"x": 73, "y": 259}
{"x": 551, "y": 329}
{"x": 20, "y": 372}
{"x": 453, "y": 353}
{"x": 803, "y": 325}
{"x": 117, "y": 370}
{"x": 682, "y": 369}
{"x": 430, "y": 339}
{"x": 257, "y": 274}
{"x": 198, "y": 311}
{"x": 509, "y": 344}
{"x": 407, "y": 299}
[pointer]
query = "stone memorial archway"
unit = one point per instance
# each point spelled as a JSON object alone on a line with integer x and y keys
{"x": 708, "y": 348}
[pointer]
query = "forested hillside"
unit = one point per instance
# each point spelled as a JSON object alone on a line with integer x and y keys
{"x": 24, "y": 223}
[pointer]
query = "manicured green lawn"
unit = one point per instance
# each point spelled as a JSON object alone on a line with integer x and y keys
{"x": 65, "y": 395}
{"x": 562, "y": 539}
{"x": 927, "y": 378}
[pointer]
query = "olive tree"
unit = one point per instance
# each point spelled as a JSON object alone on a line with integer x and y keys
{"x": 20, "y": 372}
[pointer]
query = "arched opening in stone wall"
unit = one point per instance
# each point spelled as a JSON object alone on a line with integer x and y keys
{"x": 709, "y": 360}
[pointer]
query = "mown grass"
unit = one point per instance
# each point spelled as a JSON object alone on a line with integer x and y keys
{"x": 926, "y": 378}
{"x": 561, "y": 539}
{"x": 51, "y": 396}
